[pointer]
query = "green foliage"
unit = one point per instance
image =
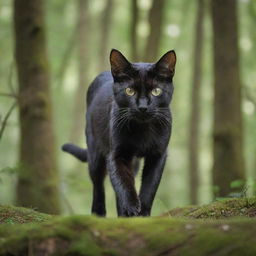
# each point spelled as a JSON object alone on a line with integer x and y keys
{"x": 237, "y": 184}
{"x": 238, "y": 187}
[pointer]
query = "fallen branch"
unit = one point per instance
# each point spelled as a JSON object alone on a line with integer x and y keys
{"x": 66, "y": 58}
{"x": 4, "y": 123}
{"x": 11, "y": 95}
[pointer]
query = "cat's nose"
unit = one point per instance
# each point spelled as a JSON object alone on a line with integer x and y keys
{"x": 143, "y": 105}
{"x": 143, "y": 109}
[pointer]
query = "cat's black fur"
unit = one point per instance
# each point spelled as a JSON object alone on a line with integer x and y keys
{"x": 122, "y": 128}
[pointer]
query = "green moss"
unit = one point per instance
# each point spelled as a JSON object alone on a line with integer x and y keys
{"x": 85, "y": 245}
{"x": 14, "y": 215}
{"x": 86, "y": 235}
{"x": 225, "y": 208}
{"x": 89, "y": 235}
{"x": 181, "y": 211}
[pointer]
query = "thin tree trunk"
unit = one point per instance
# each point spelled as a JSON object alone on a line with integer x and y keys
{"x": 254, "y": 172}
{"x": 195, "y": 104}
{"x": 252, "y": 12}
{"x": 79, "y": 101}
{"x": 105, "y": 36}
{"x": 134, "y": 24}
{"x": 67, "y": 56}
{"x": 228, "y": 162}
{"x": 38, "y": 177}
{"x": 251, "y": 132}
{"x": 155, "y": 20}
{"x": 3, "y": 123}
{"x": 185, "y": 10}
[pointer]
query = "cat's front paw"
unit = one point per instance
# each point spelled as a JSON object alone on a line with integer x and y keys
{"x": 132, "y": 209}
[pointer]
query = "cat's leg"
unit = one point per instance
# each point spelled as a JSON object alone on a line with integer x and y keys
{"x": 152, "y": 173}
{"x": 122, "y": 178}
{"x": 97, "y": 170}
{"x": 135, "y": 168}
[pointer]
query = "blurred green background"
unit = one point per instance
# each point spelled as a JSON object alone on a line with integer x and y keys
{"x": 178, "y": 32}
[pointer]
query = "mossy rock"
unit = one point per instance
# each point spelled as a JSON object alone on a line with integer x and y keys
{"x": 196, "y": 231}
{"x": 225, "y": 208}
{"x": 91, "y": 236}
{"x": 20, "y": 215}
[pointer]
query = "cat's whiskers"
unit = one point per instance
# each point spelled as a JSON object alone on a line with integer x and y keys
{"x": 122, "y": 122}
{"x": 121, "y": 118}
{"x": 162, "y": 117}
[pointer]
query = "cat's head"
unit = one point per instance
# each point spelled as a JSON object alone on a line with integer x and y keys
{"x": 145, "y": 89}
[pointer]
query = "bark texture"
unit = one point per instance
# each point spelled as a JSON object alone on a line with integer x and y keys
{"x": 228, "y": 163}
{"x": 134, "y": 24}
{"x": 195, "y": 104}
{"x": 38, "y": 177}
{"x": 155, "y": 19}
{"x": 78, "y": 121}
{"x": 106, "y": 19}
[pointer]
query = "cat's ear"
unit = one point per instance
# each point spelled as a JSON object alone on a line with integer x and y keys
{"x": 166, "y": 65}
{"x": 119, "y": 64}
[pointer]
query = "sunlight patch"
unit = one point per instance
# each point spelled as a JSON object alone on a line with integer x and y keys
{"x": 173, "y": 30}
{"x": 245, "y": 43}
{"x": 248, "y": 107}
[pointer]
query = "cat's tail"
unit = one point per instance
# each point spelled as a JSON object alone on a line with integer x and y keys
{"x": 76, "y": 151}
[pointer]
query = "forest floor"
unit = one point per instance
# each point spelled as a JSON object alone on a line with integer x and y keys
{"x": 225, "y": 227}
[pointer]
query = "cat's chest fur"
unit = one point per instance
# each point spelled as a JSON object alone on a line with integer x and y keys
{"x": 140, "y": 140}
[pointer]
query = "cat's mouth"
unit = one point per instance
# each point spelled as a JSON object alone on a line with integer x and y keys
{"x": 142, "y": 117}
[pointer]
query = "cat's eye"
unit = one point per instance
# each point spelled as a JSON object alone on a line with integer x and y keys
{"x": 156, "y": 92}
{"x": 129, "y": 91}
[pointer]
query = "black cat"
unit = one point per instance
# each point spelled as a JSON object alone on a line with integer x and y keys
{"x": 128, "y": 117}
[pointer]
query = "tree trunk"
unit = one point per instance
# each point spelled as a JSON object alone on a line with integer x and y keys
{"x": 155, "y": 20}
{"x": 195, "y": 105}
{"x": 78, "y": 122}
{"x": 105, "y": 35}
{"x": 38, "y": 177}
{"x": 185, "y": 9}
{"x": 252, "y": 12}
{"x": 228, "y": 162}
{"x": 65, "y": 61}
{"x": 134, "y": 24}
